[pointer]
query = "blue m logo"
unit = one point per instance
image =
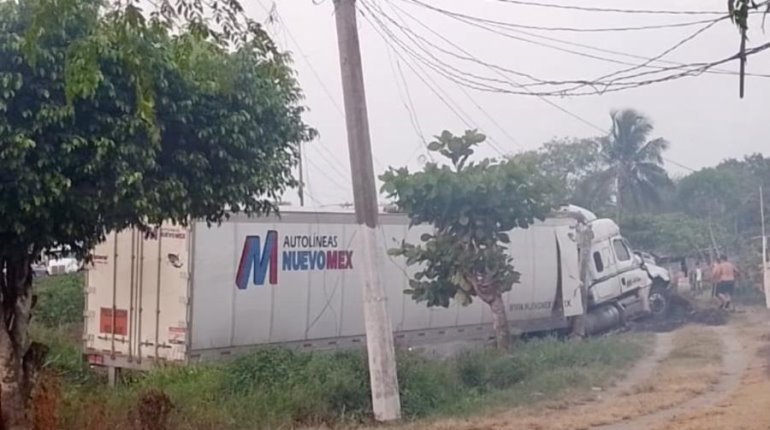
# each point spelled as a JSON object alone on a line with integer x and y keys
{"x": 258, "y": 262}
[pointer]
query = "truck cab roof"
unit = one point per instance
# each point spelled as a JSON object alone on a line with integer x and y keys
{"x": 604, "y": 228}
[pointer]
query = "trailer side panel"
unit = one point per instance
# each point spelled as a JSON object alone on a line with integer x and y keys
{"x": 295, "y": 281}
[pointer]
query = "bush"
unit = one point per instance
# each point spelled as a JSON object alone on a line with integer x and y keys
{"x": 280, "y": 388}
{"x": 64, "y": 354}
{"x": 60, "y": 300}
{"x": 425, "y": 386}
{"x": 57, "y": 322}
{"x": 485, "y": 370}
{"x": 310, "y": 387}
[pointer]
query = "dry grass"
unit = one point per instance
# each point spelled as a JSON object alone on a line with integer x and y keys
{"x": 692, "y": 368}
{"x": 748, "y": 408}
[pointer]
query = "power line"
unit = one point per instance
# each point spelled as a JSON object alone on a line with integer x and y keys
{"x": 304, "y": 56}
{"x": 314, "y": 72}
{"x": 611, "y": 10}
{"x": 607, "y": 51}
{"x": 579, "y": 83}
{"x": 342, "y": 174}
{"x": 538, "y": 82}
{"x": 562, "y": 109}
{"x": 326, "y": 175}
{"x": 408, "y": 105}
{"x": 676, "y": 46}
{"x": 526, "y": 91}
{"x": 382, "y": 30}
{"x": 490, "y": 85}
{"x": 567, "y": 29}
{"x": 473, "y": 101}
{"x": 668, "y": 160}
{"x": 691, "y": 70}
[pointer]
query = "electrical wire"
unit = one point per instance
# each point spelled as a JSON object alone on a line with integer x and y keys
{"x": 492, "y": 85}
{"x": 317, "y": 76}
{"x": 583, "y": 120}
{"x": 584, "y": 82}
{"x": 416, "y": 69}
{"x": 618, "y": 74}
{"x": 468, "y": 96}
{"x": 332, "y": 179}
{"x": 446, "y": 99}
{"x": 345, "y": 177}
{"x": 611, "y": 10}
{"x": 408, "y": 105}
{"x": 606, "y": 51}
{"x": 526, "y": 90}
{"x": 567, "y": 29}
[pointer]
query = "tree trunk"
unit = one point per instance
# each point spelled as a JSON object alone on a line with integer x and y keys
{"x": 12, "y": 401}
{"x": 500, "y": 323}
{"x": 19, "y": 361}
{"x": 491, "y": 295}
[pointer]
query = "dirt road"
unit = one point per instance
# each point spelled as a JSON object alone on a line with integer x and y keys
{"x": 698, "y": 377}
{"x": 742, "y": 401}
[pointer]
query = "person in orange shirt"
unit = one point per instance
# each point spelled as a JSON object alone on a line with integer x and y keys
{"x": 724, "y": 275}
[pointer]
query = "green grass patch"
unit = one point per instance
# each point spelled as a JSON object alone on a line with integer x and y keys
{"x": 278, "y": 388}
{"x": 57, "y": 322}
{"x": 60, "y": 300}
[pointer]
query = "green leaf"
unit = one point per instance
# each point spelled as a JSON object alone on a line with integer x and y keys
{"x": 470, "y": 206}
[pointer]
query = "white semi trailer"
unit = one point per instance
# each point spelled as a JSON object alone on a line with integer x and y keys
{"x": 202, "y": 292}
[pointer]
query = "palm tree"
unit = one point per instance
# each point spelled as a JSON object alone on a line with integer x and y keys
{"x": 633, "y": 177}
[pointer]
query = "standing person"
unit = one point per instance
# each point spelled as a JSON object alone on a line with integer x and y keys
{"x": 714, "y": 276}
{"x": 698, "y": 277}
{"x": 726, "y": 272}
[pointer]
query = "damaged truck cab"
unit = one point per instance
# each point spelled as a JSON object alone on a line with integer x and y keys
{"x": 622, "y": 286}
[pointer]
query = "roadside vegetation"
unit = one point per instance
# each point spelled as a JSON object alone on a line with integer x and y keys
{"x": 277, "y": 388}
{"x": 688, "y": 369}
{"x": 699, "y": 214}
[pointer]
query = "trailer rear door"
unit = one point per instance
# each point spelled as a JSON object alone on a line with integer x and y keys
{"x": 136, "y": 306}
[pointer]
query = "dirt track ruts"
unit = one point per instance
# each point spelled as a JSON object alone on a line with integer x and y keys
{"x": 734, "y": 364}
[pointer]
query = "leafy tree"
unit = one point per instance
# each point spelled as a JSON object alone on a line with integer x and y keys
{"x": 726, "y": 198}
{"x": 472, "y": 206}
{"x": 751, "y": 172}
{"x": 671, "y": 234}
{"x": 632, "y": 174}
{"x": 82, "y": 153}
{"x": 709, "y": 193}
{"x": 569, "y": 161}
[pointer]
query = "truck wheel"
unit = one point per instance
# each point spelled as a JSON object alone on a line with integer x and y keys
{"x": 659, "y": 300}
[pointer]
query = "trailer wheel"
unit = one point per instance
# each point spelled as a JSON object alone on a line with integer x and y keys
{"x": 659, "y": 300}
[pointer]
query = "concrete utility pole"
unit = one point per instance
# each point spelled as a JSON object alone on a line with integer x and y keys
{"x": 765, "y": 273}
{"x": 379, "y": 334}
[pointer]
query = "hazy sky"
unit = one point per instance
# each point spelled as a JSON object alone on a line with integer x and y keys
{"x": 702, "y": 117}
